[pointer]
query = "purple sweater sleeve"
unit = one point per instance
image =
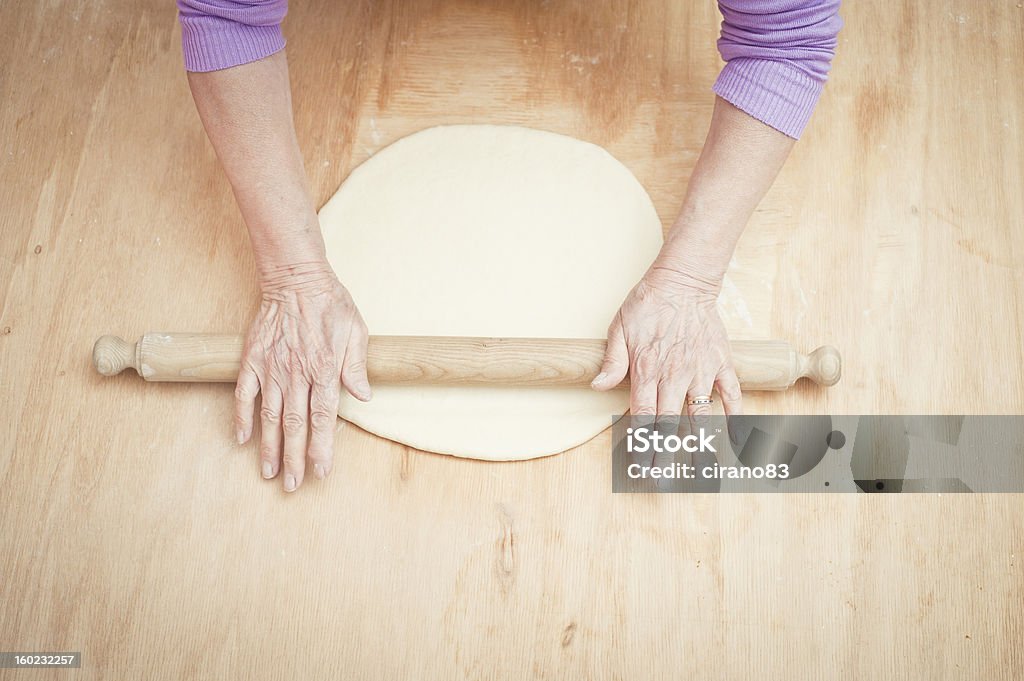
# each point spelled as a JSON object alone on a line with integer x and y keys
{"x": 217, "y": 34}
{"x": 777, "y": 54}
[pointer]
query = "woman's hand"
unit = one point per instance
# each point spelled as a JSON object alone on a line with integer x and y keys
{"x": 670, "y": 340}
{"x": 668, "y": 335}
{"x": 307, "y": 335}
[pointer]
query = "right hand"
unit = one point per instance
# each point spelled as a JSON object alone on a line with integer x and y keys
{"x": 306, "y": 337}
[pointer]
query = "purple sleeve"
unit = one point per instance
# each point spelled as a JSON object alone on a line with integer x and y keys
{"x": 777, "y": 55}
{"x": 217, "y": 34}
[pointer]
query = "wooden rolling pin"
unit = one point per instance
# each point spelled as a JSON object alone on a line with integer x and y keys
{"x": 425, "y": 360}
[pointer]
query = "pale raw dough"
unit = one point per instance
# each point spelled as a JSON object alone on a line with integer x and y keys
{"x": 481, "y": 230}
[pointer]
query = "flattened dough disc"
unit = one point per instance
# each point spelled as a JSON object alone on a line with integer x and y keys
{"x": 481, "y": 230}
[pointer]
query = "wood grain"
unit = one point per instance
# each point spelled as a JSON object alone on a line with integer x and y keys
{"x": 132, "y": 529}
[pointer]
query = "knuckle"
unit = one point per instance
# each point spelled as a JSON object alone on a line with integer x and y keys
{"x": 611, "y": 357}
{"x": 646, "y": 361}
{"x": 644, "y": 411}
{"x": 293, "y": 424}
{"x": 270, "y": 415}
{"x": 321, "y": 419}
{"x": 268, "y": 454}
{"x": 293, "y": 461}
{"x": 244, "y": 393}
{"x": 731, "y": 392}
{"x": 701, "y": 418}
{"x": 326, "y": 365}
{"x": 668, "y": 418}
{"x": 357, "y": 366}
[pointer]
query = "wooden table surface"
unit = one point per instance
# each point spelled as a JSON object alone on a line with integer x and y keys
{"x": 135, "y": 531}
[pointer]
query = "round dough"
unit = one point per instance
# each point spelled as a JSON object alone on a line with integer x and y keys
{"x": 482, "y": 230}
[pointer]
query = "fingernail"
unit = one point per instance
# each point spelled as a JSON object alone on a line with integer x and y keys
{"x": 318, "y": 471}
{"x": 240, "y": 436}
{"x": 289, "y": 483}
{"x": 268, "y": 470}
{"x": 599, "y": 378}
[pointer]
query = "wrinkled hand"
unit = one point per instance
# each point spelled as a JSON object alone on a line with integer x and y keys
{"x": 670, "y": 340}
{"x": 306, "y": 335}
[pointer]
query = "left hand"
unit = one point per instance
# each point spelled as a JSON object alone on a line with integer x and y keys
{"x": 670, "y": 340}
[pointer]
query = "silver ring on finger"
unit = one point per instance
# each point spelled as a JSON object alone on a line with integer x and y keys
{"x": 700, "y": 400}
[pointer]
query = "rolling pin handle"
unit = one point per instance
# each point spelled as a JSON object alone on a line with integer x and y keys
{"x": 111, "y": 355}
{"x": 823, "y": 366}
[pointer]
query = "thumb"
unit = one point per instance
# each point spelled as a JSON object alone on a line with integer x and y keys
{"x": 616, "y": 358}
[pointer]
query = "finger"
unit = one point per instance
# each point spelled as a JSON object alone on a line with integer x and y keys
{"x": 700, "y": 414}
{"x": 700, "y": 389}
{"x": 728, "y": 385}
{"x": 353, "y": 368}
{"x": 616, "y": 358}
{"x": 671, "y": 394}
{"x": 270, "y": 426}
{"x": 643, "y": 382}
{"x": 323, "y": 417}
{"x": 246, "y": 389}
{"x": 295, "y": 426}
{"x": 672, "y": 389}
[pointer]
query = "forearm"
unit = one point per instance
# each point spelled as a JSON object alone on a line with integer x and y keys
{"x": 778, "y": 55}
{"x": 247, "y": 113}
{"x": 739, "y": 162}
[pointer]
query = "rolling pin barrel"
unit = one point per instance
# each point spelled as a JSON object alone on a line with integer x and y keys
{"x": 426, "y": 360}
{"x": 444, "y": 360}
